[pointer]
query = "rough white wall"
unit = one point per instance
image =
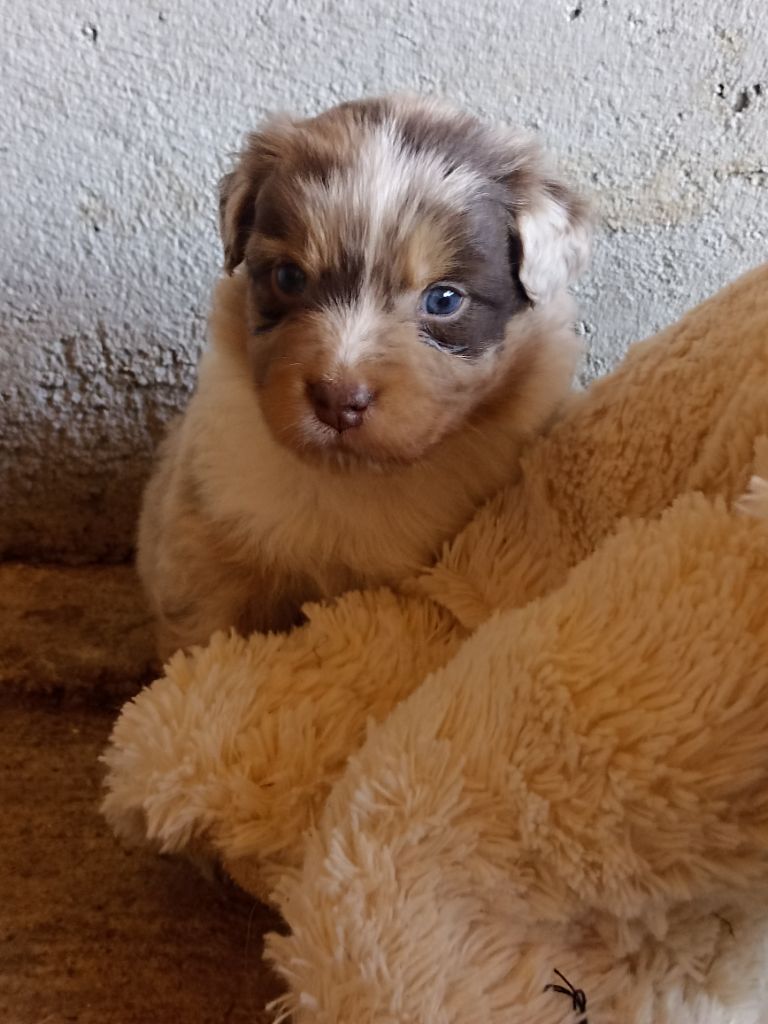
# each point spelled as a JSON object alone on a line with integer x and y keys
{"x": 116, "y": 118}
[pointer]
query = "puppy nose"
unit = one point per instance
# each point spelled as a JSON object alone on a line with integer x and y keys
{"x": 340, "y": 406}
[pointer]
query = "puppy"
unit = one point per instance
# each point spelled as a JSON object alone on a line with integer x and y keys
{"x": 393, "y": 327}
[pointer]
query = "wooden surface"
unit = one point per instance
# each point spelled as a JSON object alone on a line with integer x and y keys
{"x": 91, "y": 933}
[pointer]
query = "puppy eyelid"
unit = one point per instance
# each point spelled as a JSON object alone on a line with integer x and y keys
{"x": 446, "y": 348}
{"x": 265, "y": 328}
{"x": 460, "y": 289}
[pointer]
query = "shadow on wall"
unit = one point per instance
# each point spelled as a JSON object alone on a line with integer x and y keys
{"x": 73, "y": 470}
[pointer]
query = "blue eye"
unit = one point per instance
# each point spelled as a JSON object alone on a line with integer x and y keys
{"x": 441, "y": 300}
{"x": 289, "y": 278}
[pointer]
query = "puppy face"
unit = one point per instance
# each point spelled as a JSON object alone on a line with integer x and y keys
{"x": 393, "y": 249}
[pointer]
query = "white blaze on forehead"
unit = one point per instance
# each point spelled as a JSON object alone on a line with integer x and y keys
{"x": 376, "y": 188}
{"x": 386, "y": 173}
{"x": 352, "y": 331}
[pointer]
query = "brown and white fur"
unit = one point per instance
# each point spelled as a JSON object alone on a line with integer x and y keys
{"x": 340, "y": 433}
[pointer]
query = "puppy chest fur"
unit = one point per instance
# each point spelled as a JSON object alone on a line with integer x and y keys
{"x": 395, "y": 325}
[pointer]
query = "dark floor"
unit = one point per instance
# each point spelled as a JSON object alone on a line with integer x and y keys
{"x": 90, "y": 932}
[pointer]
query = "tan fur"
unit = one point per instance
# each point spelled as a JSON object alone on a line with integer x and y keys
{"x": 256, "y": 505}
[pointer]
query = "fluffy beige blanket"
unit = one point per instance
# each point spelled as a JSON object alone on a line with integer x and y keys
{"x": 533, "y": 787}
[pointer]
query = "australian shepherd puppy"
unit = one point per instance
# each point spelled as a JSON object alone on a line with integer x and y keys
{"x": 392, "y": 327}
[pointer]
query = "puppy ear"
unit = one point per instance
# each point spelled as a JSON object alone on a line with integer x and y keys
{"x": 239, "y": 190}
{"x": 237, "y": 203}
{"x": 550, "y": 225}
{"x": 555, "y": 231}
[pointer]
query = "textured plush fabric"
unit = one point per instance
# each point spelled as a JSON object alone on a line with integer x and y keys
{"x": 549, "y": 754}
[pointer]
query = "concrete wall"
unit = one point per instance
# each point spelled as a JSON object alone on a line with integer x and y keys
{"x": 115, "y": 122}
